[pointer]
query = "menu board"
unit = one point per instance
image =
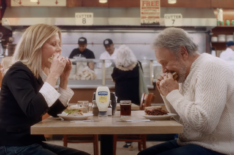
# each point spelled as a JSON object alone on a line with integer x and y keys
{"x": 173, "y": 19}
{"x": 150, "y": 12}
{"x": 84, "y": 18}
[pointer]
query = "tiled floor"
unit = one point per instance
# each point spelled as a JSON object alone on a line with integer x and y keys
{"x": 120, "y": 150}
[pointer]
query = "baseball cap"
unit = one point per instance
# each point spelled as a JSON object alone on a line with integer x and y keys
{"x": 107, "y": 42}
{"x": 82, "y": 40}
{"x": 230, "y": 43}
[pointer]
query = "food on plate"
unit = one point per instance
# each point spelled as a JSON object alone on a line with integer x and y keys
{"x": 74, "y": 111}
{"x": 155, "y": 111}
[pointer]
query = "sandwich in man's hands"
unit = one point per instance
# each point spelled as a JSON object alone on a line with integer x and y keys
{"x": 74, "y": 111}
{"x": 175, "y": 76}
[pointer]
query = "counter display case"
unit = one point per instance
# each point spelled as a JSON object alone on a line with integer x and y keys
{"x": 82, "y": 76}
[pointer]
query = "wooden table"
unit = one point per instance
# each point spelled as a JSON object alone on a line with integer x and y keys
{"x": 107, "y": 126}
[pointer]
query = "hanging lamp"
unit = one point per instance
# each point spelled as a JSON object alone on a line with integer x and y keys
{"x": 102, "y": 1}
{"x": 171, "y": 1}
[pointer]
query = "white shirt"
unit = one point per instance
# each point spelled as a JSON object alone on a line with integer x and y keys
{"x": 51, "y": 94}
{"x": 204, "y": 105}
{"x": 227, "y": 55}
{"x": 106, "y": 56}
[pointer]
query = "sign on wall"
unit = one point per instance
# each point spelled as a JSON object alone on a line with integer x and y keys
{"x": 84, "y": 18}
{"x": 17, "y": 3}
{"x": 150, "y": 12}
{"x": 173, "y": 19}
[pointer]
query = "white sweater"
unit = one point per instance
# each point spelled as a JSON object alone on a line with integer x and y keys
{"x": 204, "y": 104}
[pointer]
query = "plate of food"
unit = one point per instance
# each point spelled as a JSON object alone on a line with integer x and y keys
{"x": 73, "y": 112}
{"x": 157, "y": 113}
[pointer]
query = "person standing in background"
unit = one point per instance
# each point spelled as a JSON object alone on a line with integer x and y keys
{"x": 83, "y": 51}
{"x": 110, "y": 53}
{"x": 228, "y": 54}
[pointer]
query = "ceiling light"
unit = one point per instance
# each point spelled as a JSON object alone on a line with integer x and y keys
{"x": 171, "y": 1}
{"x": 102, "y": 1}
{"x": 33, "y": 1}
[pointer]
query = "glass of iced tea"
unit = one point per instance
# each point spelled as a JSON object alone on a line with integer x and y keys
{"x": 125, "y": 108}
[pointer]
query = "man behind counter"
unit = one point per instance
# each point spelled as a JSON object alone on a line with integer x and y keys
{"x": 110, "y": 52}
{"x": 82, "y": 51}
{"x": 228, "y": 54}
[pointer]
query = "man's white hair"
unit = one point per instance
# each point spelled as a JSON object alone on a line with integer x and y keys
{"x": 173, "y": 39}
{"x": 125, "y": 58}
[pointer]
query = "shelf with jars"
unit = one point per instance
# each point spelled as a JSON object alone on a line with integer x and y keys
{"x": 224, "y": 31}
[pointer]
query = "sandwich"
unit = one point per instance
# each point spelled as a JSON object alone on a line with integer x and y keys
{"x": 175, "y": 76}
{"x": 74, "y": 111}
{"x": 50, "y": 59}
{"x": 155, "y": 110}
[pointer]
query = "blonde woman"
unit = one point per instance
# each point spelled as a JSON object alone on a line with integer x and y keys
{"x": 28, "y": 92}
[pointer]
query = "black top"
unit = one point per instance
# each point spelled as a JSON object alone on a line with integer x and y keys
{"x": 21, "y": 106}
{"x": 127, "y": 84}
{"x": 86, "y": 53}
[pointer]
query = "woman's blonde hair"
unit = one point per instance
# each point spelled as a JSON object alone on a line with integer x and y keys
{"x": 125, "y": 59}
{"x": 29, "y": 48}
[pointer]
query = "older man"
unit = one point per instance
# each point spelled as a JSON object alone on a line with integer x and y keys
{"x": 202, "y": 97}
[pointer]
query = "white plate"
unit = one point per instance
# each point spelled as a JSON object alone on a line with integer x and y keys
{"x": 81, "y": 117}
{"x": 159, "y": 117}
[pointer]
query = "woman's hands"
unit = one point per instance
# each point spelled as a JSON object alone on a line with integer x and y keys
{"x": 60, "y": 67}
{"x": 166, "y": 83}
{"x": 65, "y": 74}
{"x": 57, "y": 65}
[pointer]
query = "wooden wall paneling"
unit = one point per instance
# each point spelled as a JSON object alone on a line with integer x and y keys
{"x": 74, "y": 3}
{"x": 188, "y": 3}
{"x": 222, "y": 3}
{"x": 124, "y": 3}
{"x": 8, "y": 2}
{"x": 94, "y": 3}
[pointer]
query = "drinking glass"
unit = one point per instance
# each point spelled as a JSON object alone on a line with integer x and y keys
{"x": 125, "y": 108}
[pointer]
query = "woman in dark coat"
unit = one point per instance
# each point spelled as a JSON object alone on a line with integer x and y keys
{"x": 126, "y": 75}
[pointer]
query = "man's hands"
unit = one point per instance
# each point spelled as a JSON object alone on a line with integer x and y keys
{"x": 165, "y": 84}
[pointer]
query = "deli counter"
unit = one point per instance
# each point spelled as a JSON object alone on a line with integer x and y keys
{"x": 84, "y": 81}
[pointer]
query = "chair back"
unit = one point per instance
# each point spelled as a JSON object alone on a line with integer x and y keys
{"x": 146, "y": 100}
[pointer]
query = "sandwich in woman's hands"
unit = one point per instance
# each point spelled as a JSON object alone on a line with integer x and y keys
{"x": 50, "y": 59}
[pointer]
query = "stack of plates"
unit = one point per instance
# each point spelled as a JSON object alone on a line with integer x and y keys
{"x": 229, "y": 38}
{"x": 222, "y": 38}
{"x": 214, "y": 39}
